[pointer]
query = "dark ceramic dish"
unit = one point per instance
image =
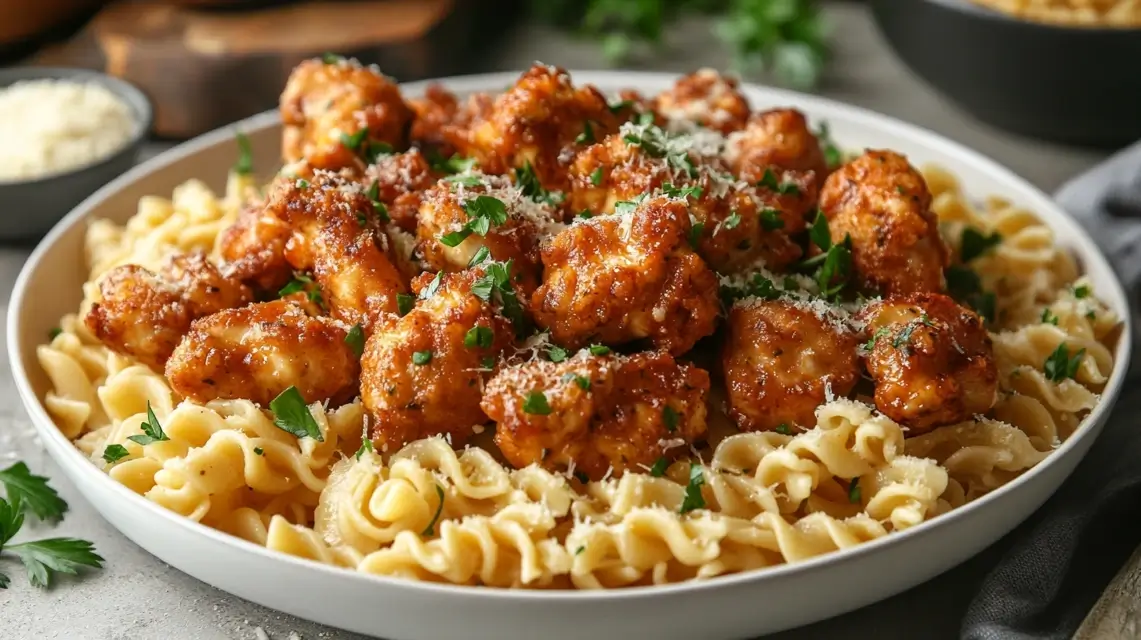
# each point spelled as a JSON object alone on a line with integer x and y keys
{"x": 29, "y": 208}
{"x": 1074, "y": 85}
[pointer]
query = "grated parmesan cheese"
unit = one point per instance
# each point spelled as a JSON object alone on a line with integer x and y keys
{"x": 50, "y": 126}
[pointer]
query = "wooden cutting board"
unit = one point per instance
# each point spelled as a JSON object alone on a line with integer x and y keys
{"x": 205, "y": 67}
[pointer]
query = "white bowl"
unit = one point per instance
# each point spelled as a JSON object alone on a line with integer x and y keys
{"x": 734, "y": 606}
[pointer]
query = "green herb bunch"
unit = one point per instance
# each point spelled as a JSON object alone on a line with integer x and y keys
{"x": 785, "y": 37}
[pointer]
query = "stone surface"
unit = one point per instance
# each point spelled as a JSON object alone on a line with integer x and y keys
{"x": 138, "y": 597}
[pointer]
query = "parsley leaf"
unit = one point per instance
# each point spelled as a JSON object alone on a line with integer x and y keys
{"x": 556, "y": 353}
{"x": 353, "y": 141}
{"x": 871, "y": 343}
{"x": 42, "y": 558}
{"x": 54, "y": 332}
{"x": 299, "y": 283}
{"x": 331, "y": 58}
{"x": 27, "y": 489}
{"x": 771, "y": 220}
{"x": 114, "y": 453}
{"x": 152, "y": 430}
{"x": 693, "y": 498}
{"x": 245, "y": 164}
{"x": 757, "y": 286}
{"x": 535, "y": 403}
{"x": 783, "y": 429}
{"x": 660, "y": 466}
{"x": 769, "y": 181}
{"x": 404, "y": 303}
{"x": 596, "y": 177}
{"x": 582, "y": 381}
{"x": 366, "y": 447}
{"x": 481, "y": 255}
{"x": 965, "y": 286}
{"x": 483, "y": 213}
{"x": 1060, "y": 365}
{"x": 376, "y": 148}
{"x": 670, "y": 419}
{"x": 529, "y": 184}
{"x": 292, "y": 415}
{"x": 599, "y": 349}
{"x": 587, "y": 135}
{"x": 1081, "y": 291}
{"x": 695, "y": 232}
{"x": 452, "y": 165}
{"x": 819, "y": 234}
{"x": 692, "y": 191}
{"x": 1049, "y": 317}
{"x": 733, "y": 221}
{"x": 975, "y": 244}
{"x": 478, "y": 336}
{"x": 355, "y": 339}
{"x": 421, "y": 358}
{"x": 495, "y": 285}
{"x": 433, "y": 286}
{"x": 430, "y": 530}
{"x": 832, "y": 156}
{"x": 11, "y": 519}
{"x": 854, "y": 491}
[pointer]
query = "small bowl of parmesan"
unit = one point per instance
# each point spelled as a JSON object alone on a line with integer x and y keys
{"x": 64, "y": 133}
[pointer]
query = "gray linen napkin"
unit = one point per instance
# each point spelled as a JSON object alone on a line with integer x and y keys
{"x": 1060, "y": 560}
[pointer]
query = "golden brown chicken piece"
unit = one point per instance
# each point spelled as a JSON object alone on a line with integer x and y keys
{"x": 632, "y": 276}
{"x": 777, "y": 140}
{"x": 469, "y": 212}
{"x": 599, "y": 415}
{"x": 442, "y": 123}
{"x": 336, "y": 232}
{"x": 536, "y": 121}
{"x": 783, "y": 358}
{"x": 400, "y": 181}
{"x": 338, "y": 112}
{"x": 736, "y": 223}
{"x": 707, "y": 98}
{"x": 253, "y": 249}
{"x": 258, "y": 351}
{"x": 423, "y": 375}
{"x": 883, "y": 204}
{"x": 144, "y": 314}
{"x": 931, "y": 360}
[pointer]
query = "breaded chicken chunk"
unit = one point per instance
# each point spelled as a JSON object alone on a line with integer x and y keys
{"x": 931, "y": 360}
{"x": 423, "y": 375}
{"x": 542, "y": 116}
{"x": 338, "y": 113}
{"x": 781, "y": 359}
{"x": 442, "y": 123}
{"x": 471, "y": 212}
{"x": 397, "y": 181}
{"x": 602, "y": 415}
{"x": 883, "y": 204}
{"x": 776, "y": 140}
{"x": 734, "y": 222}
{"x": 253, "y": 249}
{"x": 625, "y": 277}
{"x": 707, "y": 98}
{"x": 144, "y": 314}
{"x": 258, "y": 351}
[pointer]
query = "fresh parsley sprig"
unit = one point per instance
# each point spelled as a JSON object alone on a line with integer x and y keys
{"x": 292, "y": 415}
{"x": 483, "y": 212}
{"x": 832, "y": 268}
{"x": 495, "y": 286}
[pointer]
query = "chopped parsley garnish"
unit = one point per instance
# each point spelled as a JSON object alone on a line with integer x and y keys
{"x": 376, "y": 148}
{"x": 1060, "y": 365}
{"x": 582, "y": 381}
{"x": 302, "y": 183}
{"x": 696, "y": 230}
{"x": 769, "y": 181}
{"x": 871, "y": 343}
{"x": 903, "y": 338}
{"x": 404, "y": 303}
{"x": 366, "y": 447}
{"x": 681, "y": 192}
{"x": 1081, "y": 291}
{"x": 245, "y": 164}
{"x": 481, "y": 254}
{"x": 693, "y": 498}
{"x": 670, "y": 419}
{"x": 556, "y": 353}
{"x": 487, "y": 362}
{"x": 373, "y": 195}
{"x": 483, "y": 212}
{"x": 974, "y": 243}
{"x": 353, "y": 141}
{"x": 587, "y": 135}
{"x": 732, "y": 221}
{"x": 299, "y": 283}
{"x": 660, "y": 466}
{"x": 259, "y": 451}
{"x": 54, "y": 332}
{"x": 585, "y": 214}
{"x": 152, "y": 430}
{"x": 355, "y": 339}
{"x": 581, "y": 477}
{"x": 834, "y": 265}
{"x": 26, "y": 489}
{"x": 432, "y": 287}
{"x": 965, "y": 286}
{"x": 854, "y": 491}
{"x": 832, "y": 156}
{"x": 757, "y": 286}
{"x": 292, "y": 415}
{"x": 529, "y": 184}
{"x": 478, "y": 336}
{"x": 1049, "y": 317}
{"x": 495, "y": 285}
{"x": 783, "y": 429}
{"x": 465, "y": 180}
{"x": 771, "y": 220}
{"x": 819, "y": 233}
{"x": 454, "y": 164}
{"x": 430, "y": 530}
{"x": 580, "y": 549}
{"x": 331, "y": 58}
{"x": 655, "y": 143}
{"x": 599, "y": 349}
{"x": 421, "y": 358}
{"x": 535, "y": 403}
{"x": 596, "y": 177}
{"x": 621, "y": 105}
{"x": 114, "y": 453}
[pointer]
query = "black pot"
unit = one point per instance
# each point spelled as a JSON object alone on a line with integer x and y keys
{"x": 1074, "y": 85}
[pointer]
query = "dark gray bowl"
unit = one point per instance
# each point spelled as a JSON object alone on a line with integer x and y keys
{"x": 31, "y": 207}
{"x": 1074, "y": 85}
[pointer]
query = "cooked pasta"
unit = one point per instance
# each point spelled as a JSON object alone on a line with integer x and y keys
{"x": 1076, "y": 13}
{"x": 616, "y": 464}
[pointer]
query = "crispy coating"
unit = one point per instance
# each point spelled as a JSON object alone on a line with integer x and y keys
{"x": 260, "y": 350}
{"x": 253, "y": 249}
{"x": 619, "y": 278}
{"x": 400, "y": 180}
{"x": 422, "y": 375}
{"x": 931, "y": 360}
{"x": 882, "y": 202}
{"x": 739, "y": 222}
{"x": 454, "y": 203}
{"x": 599, "y": 415}
{"x": 707, "y": 98}
{"x": 144, "y": 314}
{"x": 442, "y": 123}
{"x": 323, "y": 101}
{"x": 539, "y": 118}
{"x": 777, "y": 139}
{"x": 781, "y": 360}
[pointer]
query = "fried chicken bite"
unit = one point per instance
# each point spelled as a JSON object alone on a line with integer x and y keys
{"x": 441, "y": 124}
{"x": 776, "y": 140}
{"x": 781, "y": 359}
{"x": 253, "y": 249}
{"x": 468, "y": 213}
{"x": 397, "y": 181}
{"x": 144, "y": 314}
{"x": 258, "y": 351}
{"x": 539, "y": 119}
{"x": 601, "y": 415}
{"x": 883, "y": 204}
{"x": 707, "y": 98}
{"x": 329, "y": 106}
{"x": 734, "y": 223}
{"x": 932, "y": 361}
{"x": 625, "y": 277}
{"x": 423, "y": 374}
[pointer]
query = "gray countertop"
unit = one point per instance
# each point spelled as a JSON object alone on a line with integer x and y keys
{"x": 139, "y": 597}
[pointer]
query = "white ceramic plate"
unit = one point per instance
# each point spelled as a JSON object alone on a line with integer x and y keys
{"x": 729, "y": 607}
